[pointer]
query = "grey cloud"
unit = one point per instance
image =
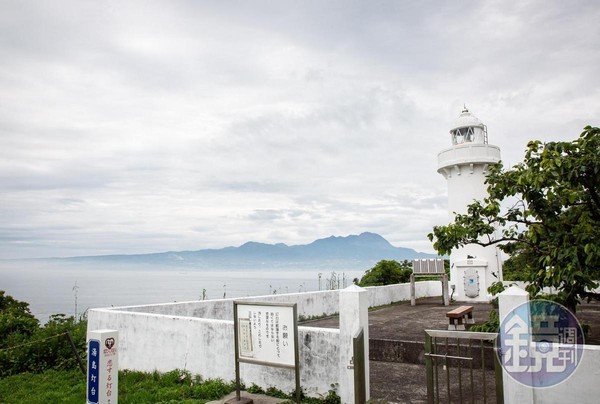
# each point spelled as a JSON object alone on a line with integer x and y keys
{"x": 201, "y": 122}
{"x": 81, "y": 178}
{"x": 249, "y": 186}
{"x": 268, "y": 215}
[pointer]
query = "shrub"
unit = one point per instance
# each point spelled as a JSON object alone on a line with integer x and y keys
{"x": 387, "y": 272}
{"x": 27, "y": 347}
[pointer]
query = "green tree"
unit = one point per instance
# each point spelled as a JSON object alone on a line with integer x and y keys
{"x": 516, "y": 267}
{"x": 16, "y": 321}
{"x": 387, "y": 272}
{"x": 553, "y": 220}
{"x": 27, "y": 347}
{"x": 50, "y": 348}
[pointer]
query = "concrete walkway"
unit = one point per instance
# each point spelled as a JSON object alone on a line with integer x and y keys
{"x": 404, "y": 322}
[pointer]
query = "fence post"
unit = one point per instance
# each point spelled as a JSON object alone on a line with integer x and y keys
{"x": 445, "y": 291}
{"x": 354, "y": 314}
{"x": 412, "y": 290}
{"x": 514, "y": 392}
{"x": 429, "y": 369}
{"x": 510, "y": 299}
{"x": 75, "y": 352}
{"x": 358, "y": 345}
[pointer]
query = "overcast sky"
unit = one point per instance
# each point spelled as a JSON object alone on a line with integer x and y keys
{"x": 132, "y": 127}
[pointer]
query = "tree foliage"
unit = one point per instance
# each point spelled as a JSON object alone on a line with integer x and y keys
{"x": 552, "y": 222}
{"x": 25, "y": 346}
{"x": 16, "y": 321}
{"x": 387, "y": 272}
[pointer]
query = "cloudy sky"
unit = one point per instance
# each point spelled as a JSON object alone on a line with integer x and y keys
{"x": 132, "y": 127}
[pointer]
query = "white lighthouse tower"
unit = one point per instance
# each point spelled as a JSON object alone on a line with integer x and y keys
{"x": 473, "y": 268}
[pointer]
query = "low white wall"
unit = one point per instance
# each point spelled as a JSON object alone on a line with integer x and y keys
{"x": 323, "y": 303}
{"x": 548, "y": 290}
{"x": 523, "y": 285}
{"x": 384, "y": 295}
{"x": 308, "y": 303}
{"x": 151, "y": 342}
{"x": 198, "y": 336}
{"x": 583, "y": 387}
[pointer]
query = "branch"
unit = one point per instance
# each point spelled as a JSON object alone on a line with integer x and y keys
{"x": 590, "y": 296}
{"x": 527, "y": 222}
{"x": 596, "y": 205}
{"x": 504, "y": 239}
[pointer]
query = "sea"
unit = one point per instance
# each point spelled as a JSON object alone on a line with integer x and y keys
{"x": 71, "y": 288}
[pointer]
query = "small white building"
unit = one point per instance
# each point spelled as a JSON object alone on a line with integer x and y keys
{"x": 473, "y": 268}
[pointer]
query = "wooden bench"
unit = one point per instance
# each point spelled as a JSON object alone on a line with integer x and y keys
{"x": 459, "y": 317}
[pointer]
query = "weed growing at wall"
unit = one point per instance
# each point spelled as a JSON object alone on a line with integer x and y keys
{"x": 330, "y": 398}
{"x": 303, "y": 318}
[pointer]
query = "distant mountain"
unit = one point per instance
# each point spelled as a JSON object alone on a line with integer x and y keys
{"x": 351, "y": 252}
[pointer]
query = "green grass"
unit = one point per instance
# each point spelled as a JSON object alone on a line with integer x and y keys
{"x": 68, "y": 386}
{"x": 52, "y": 386}
{"x": 134, "y": 387}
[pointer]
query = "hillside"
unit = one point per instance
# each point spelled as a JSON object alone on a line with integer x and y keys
{"x": 350, "y": 252}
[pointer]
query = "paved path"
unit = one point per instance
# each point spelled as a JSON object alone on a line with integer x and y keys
{"x": 404, "y": 322}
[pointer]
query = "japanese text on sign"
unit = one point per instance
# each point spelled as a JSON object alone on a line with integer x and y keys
{"x": 265, "y": 334}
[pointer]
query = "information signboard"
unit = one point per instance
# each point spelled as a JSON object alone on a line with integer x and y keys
{"x": 266, "y": 334}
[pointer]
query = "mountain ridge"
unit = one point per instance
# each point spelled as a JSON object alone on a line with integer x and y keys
{"x": 334, "y": 252}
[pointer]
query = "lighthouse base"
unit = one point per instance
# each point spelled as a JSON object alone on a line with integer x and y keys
{"x": 469, "y": 280}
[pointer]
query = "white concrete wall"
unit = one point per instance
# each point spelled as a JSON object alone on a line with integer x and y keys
{"x": 309, "y": 304}
{"x": 583, "y": 387}
{"x": 198, "y": 336}
{"x": 523, "y": 285}
{"x": 548, "y": 290}
{"x": 151, "y": 342}
{"x": 384, "y": 295}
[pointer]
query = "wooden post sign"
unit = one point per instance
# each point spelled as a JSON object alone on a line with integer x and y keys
{"x": 266, "y": 334}
{"x": 103, "y": 367}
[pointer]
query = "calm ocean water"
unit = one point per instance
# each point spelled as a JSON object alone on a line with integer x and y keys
{"x": 52, "y": 287}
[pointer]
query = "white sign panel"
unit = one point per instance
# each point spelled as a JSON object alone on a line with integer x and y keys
{"x": 266, "y": 334}
{"x": 103, "y": 367}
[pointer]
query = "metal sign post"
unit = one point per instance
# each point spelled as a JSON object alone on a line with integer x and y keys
{"x": 266, "y": 334}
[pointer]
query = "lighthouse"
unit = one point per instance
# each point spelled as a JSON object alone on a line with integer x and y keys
{"x": 464, "y": 165}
